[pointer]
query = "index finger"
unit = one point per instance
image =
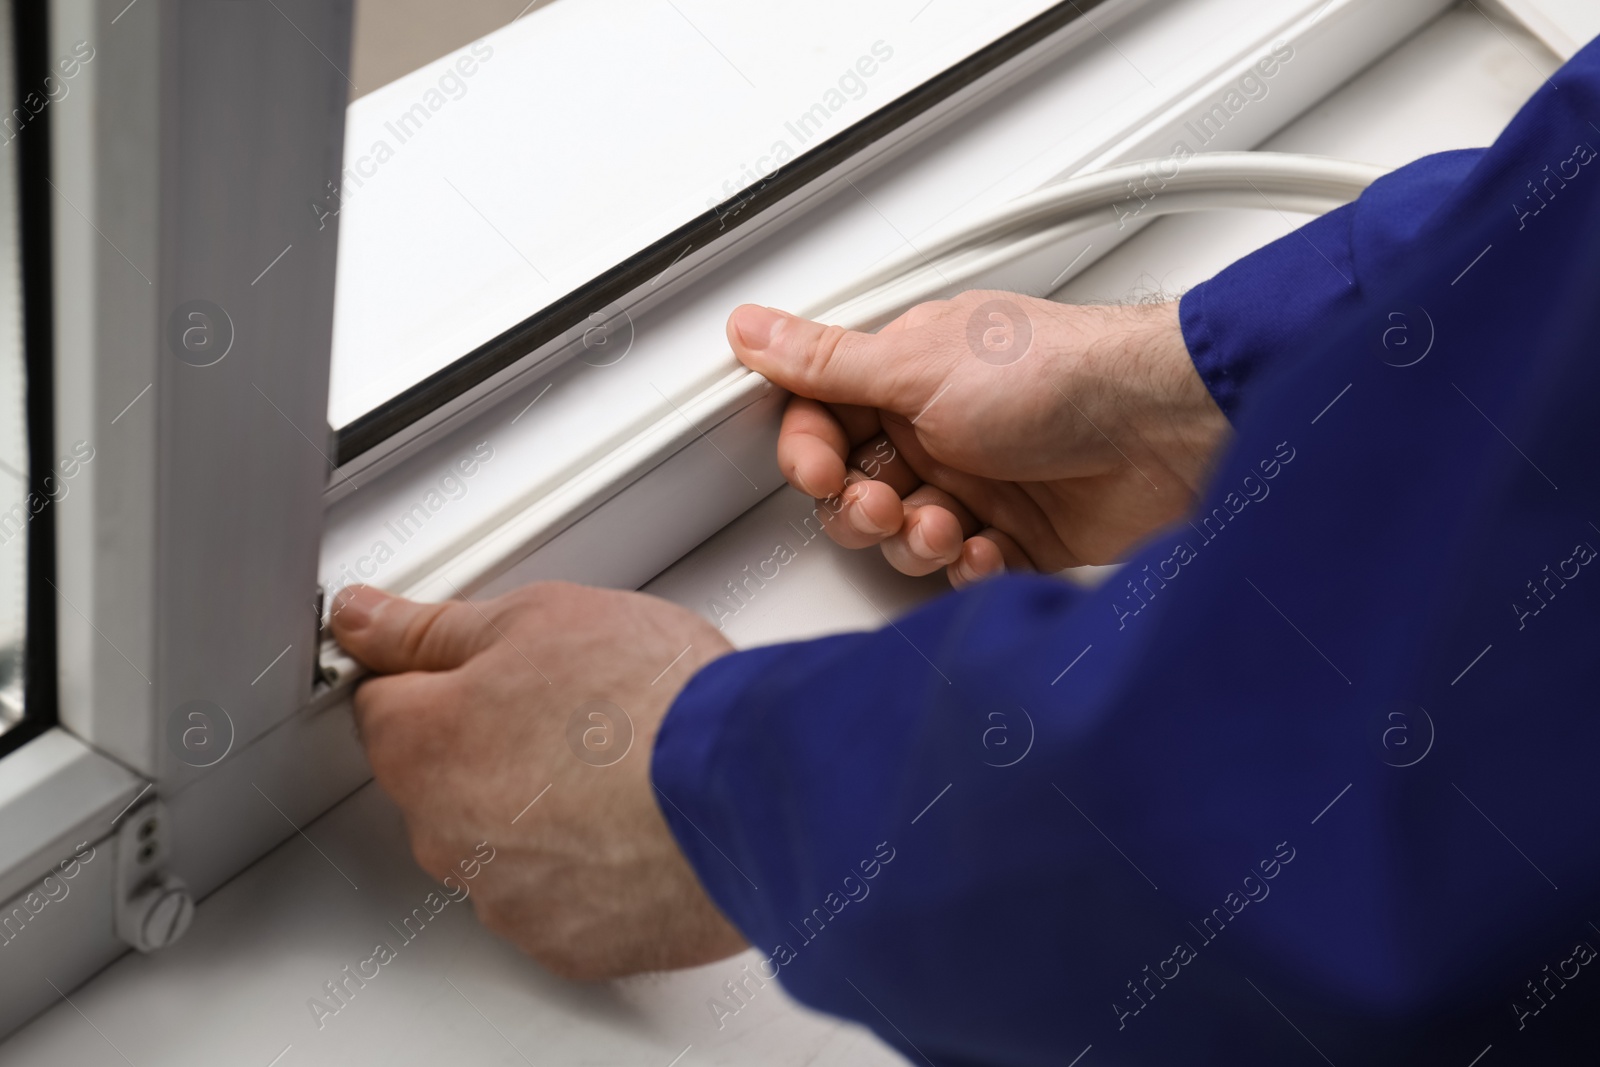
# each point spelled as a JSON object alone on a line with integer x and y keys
{"x": 812, "y": 447}
{"x": 383, "y": 704}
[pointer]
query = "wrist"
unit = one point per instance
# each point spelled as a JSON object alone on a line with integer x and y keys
{"x": 1165, "y": 405}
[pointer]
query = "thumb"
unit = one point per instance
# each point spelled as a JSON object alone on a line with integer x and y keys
{"x": 391, "y": 634}
{"x": 828, "y": 363}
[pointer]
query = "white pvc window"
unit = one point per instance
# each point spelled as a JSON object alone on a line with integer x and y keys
{"x": 210, "y": 488}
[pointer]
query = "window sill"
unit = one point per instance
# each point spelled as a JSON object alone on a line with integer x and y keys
{"x": 55, "y": 794}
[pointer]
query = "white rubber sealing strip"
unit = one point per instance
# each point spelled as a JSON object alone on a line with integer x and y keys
{"x": 943, "y": 260}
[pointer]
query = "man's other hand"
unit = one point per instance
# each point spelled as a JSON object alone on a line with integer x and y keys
{"x": 527, "y": 722}
{"x": 991, "y": 431}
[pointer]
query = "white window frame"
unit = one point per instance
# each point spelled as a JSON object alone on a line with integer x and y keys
{"x": 187, "y": 548}
{"x": 191, "y": 557}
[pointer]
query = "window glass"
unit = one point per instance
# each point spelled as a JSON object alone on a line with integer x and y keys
{"x": 14, "y": 482}
{"x": 568, "y": 156}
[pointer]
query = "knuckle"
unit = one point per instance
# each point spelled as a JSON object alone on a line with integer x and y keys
{"x": 507, "y": 609}
{"x": 429, "y": 855}
{"x": 524, "y": 595}
{"x": 818, "y": 357}
{"x": 576, "y": 968}
{"x": 931, "y": 311}
{"x": 361, "y": 707}
{"x": 400, "y": 739}
{"x": 370, "y": 711}
{"x": 414, "y": 635}
{"x": 550, "y": 934}
{"x": 571, "y": 961}
{"x": 535, "y": 596}
{"x": 492, "y": 915}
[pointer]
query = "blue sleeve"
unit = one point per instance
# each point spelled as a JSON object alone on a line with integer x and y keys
{"x": 1312, "y": 778}
{"x": 1278, "y": 300}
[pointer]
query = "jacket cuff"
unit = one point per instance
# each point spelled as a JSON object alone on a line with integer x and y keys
{"x": 1241, "y": 322}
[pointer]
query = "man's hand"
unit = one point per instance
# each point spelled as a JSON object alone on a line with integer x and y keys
{"x": 553, "y": 692}
{"x": 990, "y": 431}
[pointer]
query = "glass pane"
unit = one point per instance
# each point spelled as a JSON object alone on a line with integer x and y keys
{"x": 485, "y": 192}
{"x": 14, "y": 497}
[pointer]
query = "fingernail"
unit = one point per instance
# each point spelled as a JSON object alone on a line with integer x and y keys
{"x": 857, "y": 516}
{"x": 353, "y": 606}
{"x": 755, "y": 326}
{"x": 969, "y": 572}
{"x": 917, "y": 541}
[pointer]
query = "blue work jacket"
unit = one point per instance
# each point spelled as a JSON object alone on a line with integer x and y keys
{"x": 1316, "y": 776}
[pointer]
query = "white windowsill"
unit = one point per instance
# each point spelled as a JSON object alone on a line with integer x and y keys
{"x": 54, "y": 792}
